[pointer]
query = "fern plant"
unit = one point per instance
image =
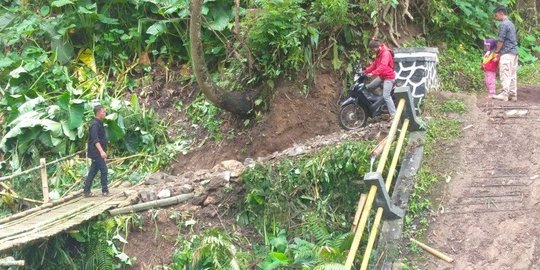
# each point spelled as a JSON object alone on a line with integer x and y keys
{"x": 212, "y": 250}
{"x": 98, "y": 257}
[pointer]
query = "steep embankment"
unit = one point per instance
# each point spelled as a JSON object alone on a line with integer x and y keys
{"x": 293, "y": 117}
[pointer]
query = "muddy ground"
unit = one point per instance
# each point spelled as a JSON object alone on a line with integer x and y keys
{"x": 488, "y": 212}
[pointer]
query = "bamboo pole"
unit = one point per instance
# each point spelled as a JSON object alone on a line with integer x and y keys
{"x": 371, "y": 239}
{"x": 119, "y": 160}
{"x": 7, "y": 188}
{"x": 391, "y": 135}
{"x": 20, "y": 198}
{"x": 433, "y": 251}
{"x": 373, "y": 190}
{"x": 395, "y": 159}
{"x": 359, "y": 209}
{"x": 152, "y": 204}
{"x": 44, "y": 180}
{"x": 72, "y": 187}
{"x": 378, "y": 216}
{"x": 33, "y": 210}
{"x": 8, "y": 177}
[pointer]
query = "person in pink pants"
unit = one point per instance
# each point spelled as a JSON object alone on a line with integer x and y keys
{"x": 490, "y": 66}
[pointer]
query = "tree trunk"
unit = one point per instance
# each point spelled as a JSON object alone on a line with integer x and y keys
{"x": 239, "y": 103}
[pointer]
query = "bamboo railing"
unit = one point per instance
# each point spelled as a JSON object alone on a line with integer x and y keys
{"x": 365, "y": 204}
{"x": 44, "y": 178}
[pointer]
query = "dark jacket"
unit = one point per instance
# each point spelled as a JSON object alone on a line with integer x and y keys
{"x": 383, "y": 65}
{"x": 96, "y": 134}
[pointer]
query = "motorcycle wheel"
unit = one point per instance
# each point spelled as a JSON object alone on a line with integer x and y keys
{"x": 352, "y": 116}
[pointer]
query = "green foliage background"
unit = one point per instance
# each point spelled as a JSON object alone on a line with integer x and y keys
{"x": 61, "y": 57}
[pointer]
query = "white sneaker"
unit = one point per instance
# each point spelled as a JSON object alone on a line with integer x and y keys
{"x": 512, "y": 98}
{"x": 501, "y": 96}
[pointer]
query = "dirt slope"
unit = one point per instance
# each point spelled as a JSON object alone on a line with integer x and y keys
{"x": 488, "y": 218}
{"x": 292, "y": 118}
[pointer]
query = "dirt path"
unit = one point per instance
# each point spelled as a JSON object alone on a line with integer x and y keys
{"x": 488, "y": 218}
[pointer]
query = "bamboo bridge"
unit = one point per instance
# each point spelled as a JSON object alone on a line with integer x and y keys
{"x": 61, "y": 215}
{"x": 53, "y": 218}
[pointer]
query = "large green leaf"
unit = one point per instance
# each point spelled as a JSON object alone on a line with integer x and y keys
{"x": 114, "y": 131}
{"x": 157, "y": 28}
{"x": 61, "y": 3}
{"x": 54, "y": 127}
{"x": 63, "y": 101}
{"x": 30, "y": 104}
{"x": 220, "y": 17}
{"x": 63, "y": 49}
{"x": 5, "y": 61}
{"x": 70, "y": 133}
{"x": 27, "y": 120}
{"x": 76, "y": 115}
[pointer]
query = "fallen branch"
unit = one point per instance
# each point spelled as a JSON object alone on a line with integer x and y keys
{"x": 152, "y": 204}
{"x": 433, "y": 251}
{"x": 379, "y": 148}
{"x": 118, "y": 160}
{"x": 19, "y": 197}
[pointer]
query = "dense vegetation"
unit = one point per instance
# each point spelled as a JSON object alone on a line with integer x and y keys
{"x": 61, "y": 57}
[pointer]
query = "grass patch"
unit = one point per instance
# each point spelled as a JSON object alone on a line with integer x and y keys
{"x": 204, "y": 114}
{"x": 454, "y": 106}
{"x": 529, "y": 74}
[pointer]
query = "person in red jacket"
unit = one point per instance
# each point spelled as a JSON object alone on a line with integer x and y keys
{"x": 382, "y": 69}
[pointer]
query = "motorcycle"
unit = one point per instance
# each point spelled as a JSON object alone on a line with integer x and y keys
{"x": 361, "y": 104}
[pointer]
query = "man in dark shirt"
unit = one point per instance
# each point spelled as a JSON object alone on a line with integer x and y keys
{"x": 97, "y": 147}
{"x": 507, "y": 54}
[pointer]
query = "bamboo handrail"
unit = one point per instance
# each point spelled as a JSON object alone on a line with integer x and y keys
{"x": 391, "y": 135}
{"x": 8, "y": 177}
{"x": 395, "y": 159}
{"x": 378, "y": 216}
{"x": 373, "y": 190}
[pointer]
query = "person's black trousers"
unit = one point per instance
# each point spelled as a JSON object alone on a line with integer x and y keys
{"x": 98, "y": 164}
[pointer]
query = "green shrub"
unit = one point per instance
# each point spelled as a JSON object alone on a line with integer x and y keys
{"x": 459, "y": 69}
{"x": 278, "y": 36}
{"x": 323, "y": 185}
{"x": 332, "y": 12}
{"x": 204, "y": 114}
{"x": 465, "y": 21}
